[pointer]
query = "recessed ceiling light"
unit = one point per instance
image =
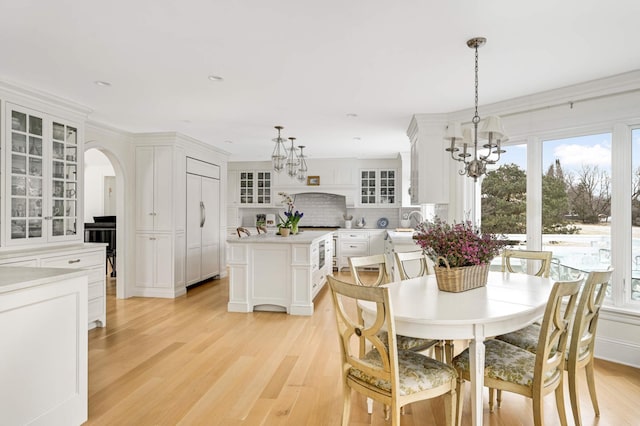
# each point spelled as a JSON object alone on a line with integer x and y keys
{"x": 215, "y": 78}
{"x": 352, "y": 115}
{"x": 102, "y": 83}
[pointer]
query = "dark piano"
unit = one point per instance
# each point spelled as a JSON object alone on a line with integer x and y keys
{"x": 103, "y": 230}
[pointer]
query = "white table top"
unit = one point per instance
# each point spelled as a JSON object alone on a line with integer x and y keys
{"x": 507, "y": 303}
{"x": 506, "y": 298}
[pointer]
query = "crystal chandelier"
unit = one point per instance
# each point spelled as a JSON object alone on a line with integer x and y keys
{"x": 302, "y": 167}
{"x": 492, "y": 131}
{"x": 288, "y": 158}
{"x": 292, "y": 160}
{"x": 278, "y": 156}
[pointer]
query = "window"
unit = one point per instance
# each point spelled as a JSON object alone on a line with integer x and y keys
{"x": 576, "y": 204}
{"x": 503, "y": 195}
{"x": 635, "y": 214}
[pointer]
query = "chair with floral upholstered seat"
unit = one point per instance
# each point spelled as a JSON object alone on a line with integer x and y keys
{"x": 408, "y": 263}
{"x": 514, "y": 369}
{"x": 378, "y": 261}
{"x": 580, "y": 343}
{"x": 385, "y": 373}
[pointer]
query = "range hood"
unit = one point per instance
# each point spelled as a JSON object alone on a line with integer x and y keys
{"x": 347, "y": 191}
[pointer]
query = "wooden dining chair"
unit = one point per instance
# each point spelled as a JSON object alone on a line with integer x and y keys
{"x": 419, "y": 261}
{"x": 416, "y": 260}
{"x": 374, "y": 261}
{"x": 542, "y": 260}
{"x": 385, "y": 373}
{"x": 378, "y": 260}
{"x": 508, "y": 367}
{"x": 581, "y": 342}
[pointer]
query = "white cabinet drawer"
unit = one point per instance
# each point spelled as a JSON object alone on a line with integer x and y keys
{"x": 95, "y": 290}
{"x": 96, "y": 308}
{"x": 350, "y": 248}
{"x": 76, "y": 260}
{"x": 354, "y": 235}
{"x": 96, "y": 274}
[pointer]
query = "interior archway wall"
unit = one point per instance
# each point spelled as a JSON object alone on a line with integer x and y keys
{"x": 116, "y": 146}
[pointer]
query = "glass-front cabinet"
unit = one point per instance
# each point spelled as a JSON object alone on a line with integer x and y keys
{"x": 378, "y": 187}
{"x": 42, "y": 178}
{"x": 255, "y": 187}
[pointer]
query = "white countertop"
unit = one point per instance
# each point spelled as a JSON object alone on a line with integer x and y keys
{"x": 36, "y": 251}
{"x": 18, "y": 277}
{"x": 304, "y": 237}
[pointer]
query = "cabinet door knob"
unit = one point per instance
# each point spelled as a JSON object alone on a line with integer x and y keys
{"x": 74, "y": 261}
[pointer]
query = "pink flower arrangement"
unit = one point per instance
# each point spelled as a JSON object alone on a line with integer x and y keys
{"x": 461, "y": 244}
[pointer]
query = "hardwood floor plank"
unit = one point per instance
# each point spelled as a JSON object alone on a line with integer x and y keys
{"x": 189, "y": 361}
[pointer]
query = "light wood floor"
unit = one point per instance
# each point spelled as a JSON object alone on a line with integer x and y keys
{"x": 189, "y": 361}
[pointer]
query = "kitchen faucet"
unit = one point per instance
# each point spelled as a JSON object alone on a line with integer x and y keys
{"x": 419, "y": 215}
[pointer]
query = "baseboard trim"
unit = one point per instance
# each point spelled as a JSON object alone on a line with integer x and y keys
{"x": 617, "y": 351}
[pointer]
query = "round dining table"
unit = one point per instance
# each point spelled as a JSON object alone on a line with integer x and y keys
{"x": 508, "y": 302}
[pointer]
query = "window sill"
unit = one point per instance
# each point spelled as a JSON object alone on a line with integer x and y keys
{"x": 621, "y": 314}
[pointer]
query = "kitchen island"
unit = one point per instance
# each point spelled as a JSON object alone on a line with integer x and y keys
{"x": 268, "y": 272}
{"x": 43, "y": 361}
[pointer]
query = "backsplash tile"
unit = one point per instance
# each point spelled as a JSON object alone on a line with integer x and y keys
{"x": 322, "y": 209}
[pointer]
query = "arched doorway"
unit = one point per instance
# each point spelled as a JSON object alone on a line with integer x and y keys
{"x": 104, "y": 190}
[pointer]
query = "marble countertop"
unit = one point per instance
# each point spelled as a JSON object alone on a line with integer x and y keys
{"x": 37, "y": 251}
{"x": 18, "y": 277}
{"x": 305, "y": 237}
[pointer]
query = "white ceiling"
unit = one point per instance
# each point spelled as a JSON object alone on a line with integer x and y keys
{"x": 305, "y": 65}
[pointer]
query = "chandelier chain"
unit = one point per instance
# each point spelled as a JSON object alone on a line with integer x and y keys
{"x": 476, "y": 117}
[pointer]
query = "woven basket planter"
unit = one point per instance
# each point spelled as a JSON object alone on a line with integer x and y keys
{"x": 459, "y": 279}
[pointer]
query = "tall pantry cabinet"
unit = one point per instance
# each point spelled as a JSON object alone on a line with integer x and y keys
{"x": 160, "y": 233}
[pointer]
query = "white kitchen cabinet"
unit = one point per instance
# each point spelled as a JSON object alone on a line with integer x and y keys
{"x": 376, "y": 241}
{"x": 430, "y": 163}
{"x": 42, "y": 178}
{"x": 160, "y": 217}
{"x": 254, "y": 188}
{"x": 43, "y": 361}
{"x": 87, "y": 256}
{"x": 154, "y": 271}
{"x": 154, "y": 183}
{"x": 203, "y": 221}
{"x": 378, "y": 188}
{"x": 351, "y": 242}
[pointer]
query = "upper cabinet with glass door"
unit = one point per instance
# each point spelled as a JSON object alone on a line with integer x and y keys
{"x": 378, "y": 188}
{"x": 255, "y": 187}
{"x": 42, "y": 178}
